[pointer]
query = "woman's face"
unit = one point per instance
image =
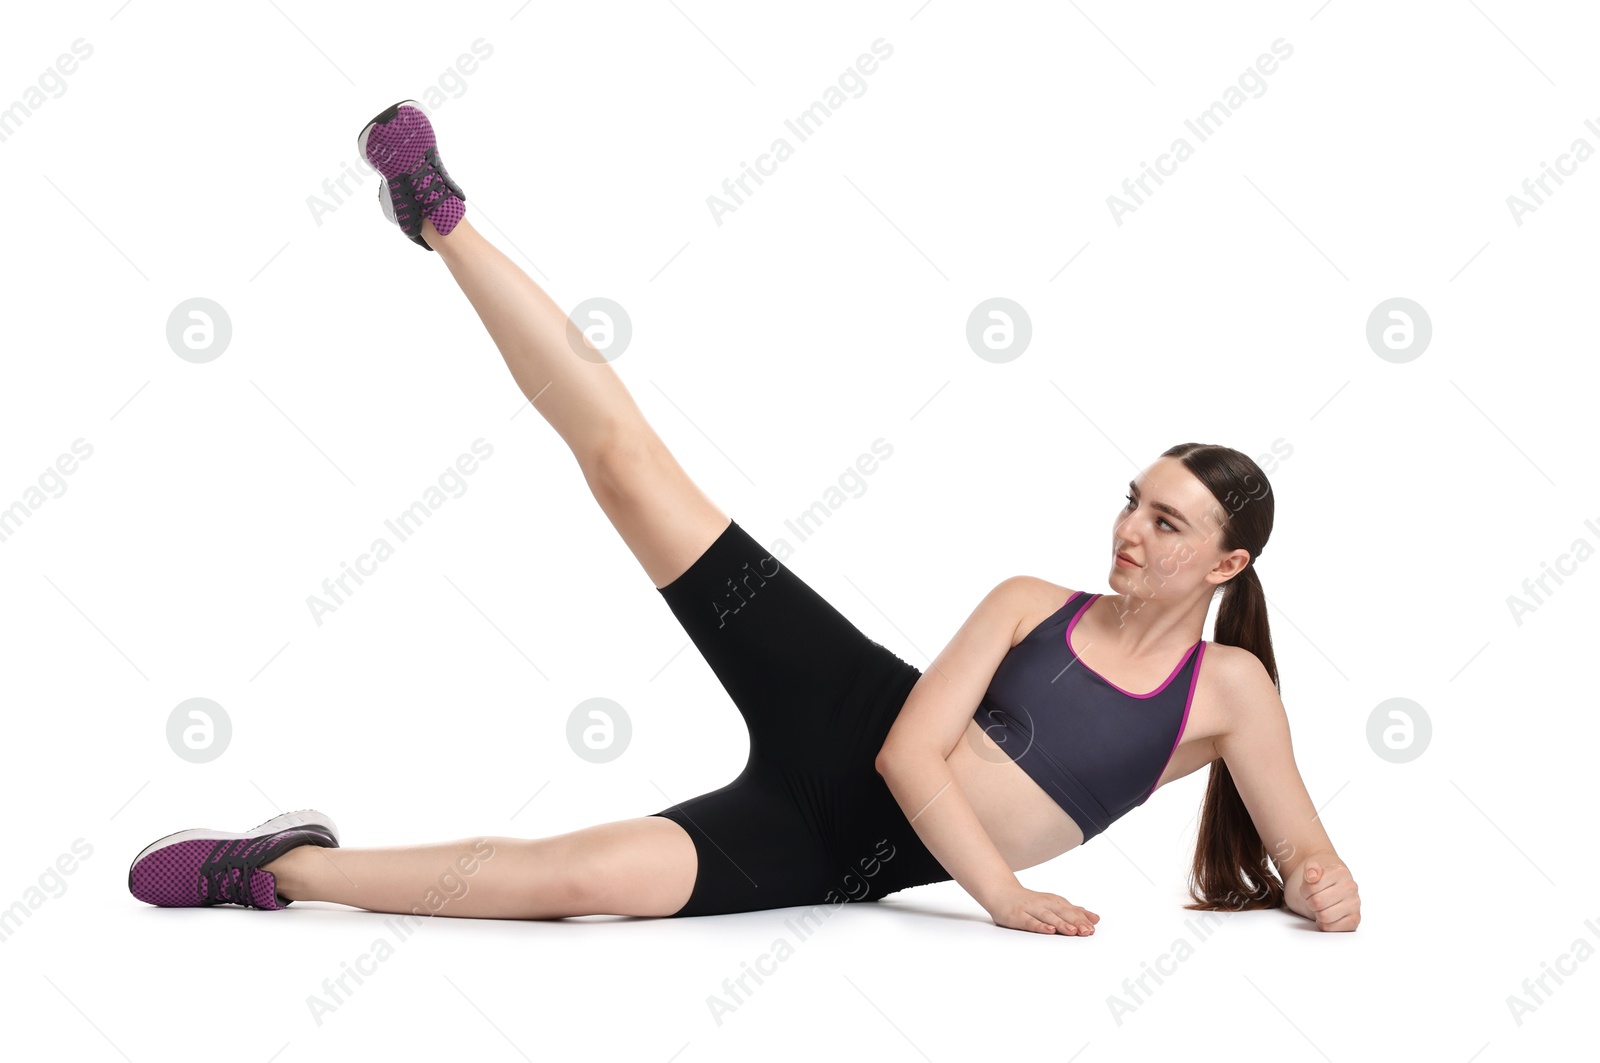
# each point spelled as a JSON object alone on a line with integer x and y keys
{"x": 1171, "y": 529}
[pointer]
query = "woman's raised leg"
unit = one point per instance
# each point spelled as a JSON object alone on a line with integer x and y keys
{"x": 640, "y": 867}
{"x": 662, "y": 515}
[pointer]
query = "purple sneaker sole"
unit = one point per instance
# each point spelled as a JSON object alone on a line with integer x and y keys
{"x": 204, "y": 867}
{"x": 401, "y": 145}
{"x": 383, "y": 117}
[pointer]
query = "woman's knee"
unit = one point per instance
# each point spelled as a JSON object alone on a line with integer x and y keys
{"x": 625, "y": 455}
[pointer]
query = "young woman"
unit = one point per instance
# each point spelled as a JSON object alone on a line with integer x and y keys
{"x": 865, "y": 775}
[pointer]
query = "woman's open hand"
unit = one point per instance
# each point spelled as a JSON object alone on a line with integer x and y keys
{"x": 1041, "y": 913}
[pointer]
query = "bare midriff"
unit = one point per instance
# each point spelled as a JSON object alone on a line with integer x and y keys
{"x": 1025, "y": 822}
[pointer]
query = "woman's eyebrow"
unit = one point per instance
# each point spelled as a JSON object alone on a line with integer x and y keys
{"x": 1162, "y": 506}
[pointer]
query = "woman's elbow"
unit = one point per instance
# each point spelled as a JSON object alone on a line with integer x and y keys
{"x": 881, "y": 762}
{"x": 890, "y": 757}
{"x": 893, "y": 758}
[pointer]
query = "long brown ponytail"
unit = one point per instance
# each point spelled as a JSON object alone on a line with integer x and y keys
{"x": 1231, "y": 870}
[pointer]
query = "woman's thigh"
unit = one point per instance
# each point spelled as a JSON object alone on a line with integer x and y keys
{"x": 642, "y": 866}
{"x": 759, "y": 842}
{"x": 786, "y": 657}
{"x": 779, "y": 837}
{"x": 879, "y": 848}
{"x": 664, "y": 516}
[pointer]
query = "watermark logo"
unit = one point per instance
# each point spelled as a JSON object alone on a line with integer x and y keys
{"x": 1253, "y": 81}
{"x": 51, "y": 484}
{"x": 1565, "y": 964}
{"x": 199, "y": 730}
{"x": 1002, "y": 734}
{"x": 51, "y": 884}
{"x": 199, "y": 330}
{"x": 735, "y": 991}
{"x": 851, "y": 81}
{"x": 403, "y": 526}
{"x": 744, "y": 583}
{"x": 599, "y": 330}
{"x": 53, "y": 81}
{"x": 452, "y": 885}
{"x": 1399, "y": 730}
{"x": 1202, "y": 925}
{"x": 743, "y": 586}
{"x": 850, "y": 483}
{"x": 599, "y": 730}
{"x": 1399, "y": 330}
{"x": 1535, "y": 190}
{"x": 1566, "y": 564}
{"x": 999, "y": 330}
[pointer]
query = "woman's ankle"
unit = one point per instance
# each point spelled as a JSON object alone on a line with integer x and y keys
{"x": 295, "y": 872}
{"x": 436, "y": 240}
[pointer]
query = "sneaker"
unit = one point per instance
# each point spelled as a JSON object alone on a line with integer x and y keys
{"x": 202, "y": 868}
{"x": 399, "y": 144}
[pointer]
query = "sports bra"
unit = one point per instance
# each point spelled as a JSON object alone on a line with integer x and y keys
{"x": 1097, "y": 749}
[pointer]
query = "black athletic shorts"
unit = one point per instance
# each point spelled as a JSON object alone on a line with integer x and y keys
{"x": 809, "y": 820}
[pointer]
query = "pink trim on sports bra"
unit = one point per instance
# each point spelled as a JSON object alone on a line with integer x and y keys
{"x": 1194, "y": 681}
{"x": 1068, "y": 636}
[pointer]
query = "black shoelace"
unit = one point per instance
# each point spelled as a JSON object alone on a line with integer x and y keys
{"x": 226, "y": 875}
{"x": 422, "y": 186}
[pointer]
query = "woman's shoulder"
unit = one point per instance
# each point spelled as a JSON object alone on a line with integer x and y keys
{"x": 1214, "y": 709}
{"x": 1236, "y": 683}
{"x": 1037, "y": 601}
{"x": 1234, "y": 663}
{"x": 1043, "y": 590}
{"x": 1228, "y": 668}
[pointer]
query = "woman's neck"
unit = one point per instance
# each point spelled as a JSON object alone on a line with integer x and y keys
{"x": 1140, "y": 627}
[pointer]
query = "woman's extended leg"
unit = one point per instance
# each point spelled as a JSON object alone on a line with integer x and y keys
{"x": 662, "y": 515}
{"x": 640, "y": 867}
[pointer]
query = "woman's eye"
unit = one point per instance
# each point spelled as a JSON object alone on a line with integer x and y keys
{"x": 1159, "y": 520}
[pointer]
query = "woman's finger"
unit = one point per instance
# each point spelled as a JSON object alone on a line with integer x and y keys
{"x": 1338, "y": 910}
{"x": 1038, "y": 926}
{"x": 1055, "y": 919}
{"x": 1347, "y": 921}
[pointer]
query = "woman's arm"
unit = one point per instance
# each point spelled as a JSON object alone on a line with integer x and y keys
{"x": 913, "y": 760}
{"x": 943, "y": 818}
{"x": 1260, "y": 757}
{"x": 914, "y": 764}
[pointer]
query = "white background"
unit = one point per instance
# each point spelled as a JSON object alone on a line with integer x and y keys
{"x": 770, "y": 351}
